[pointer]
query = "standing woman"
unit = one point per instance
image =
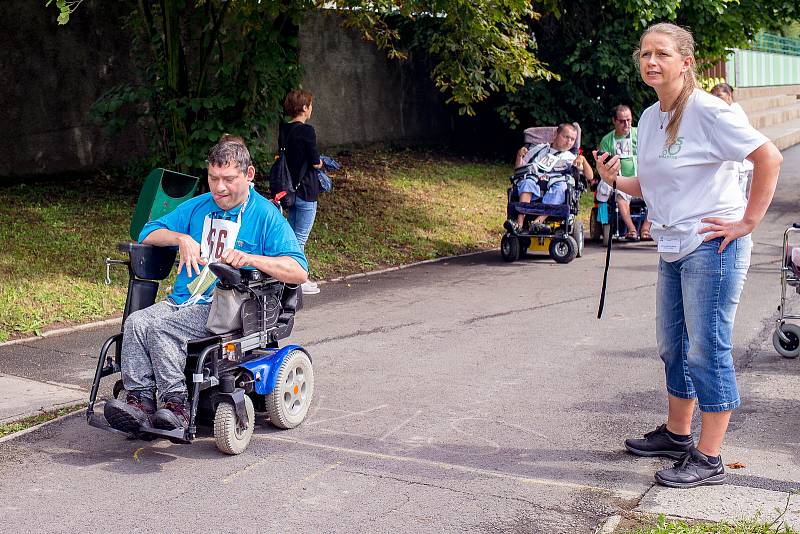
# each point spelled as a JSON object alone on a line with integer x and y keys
{"x": 702, "y": 224}
{"x": 302, "y": 157}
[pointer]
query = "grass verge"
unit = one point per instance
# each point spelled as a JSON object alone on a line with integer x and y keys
{"x": 28, "y": 422}
{"x": 386, "y": 209}
{"x": 661, "y": 525}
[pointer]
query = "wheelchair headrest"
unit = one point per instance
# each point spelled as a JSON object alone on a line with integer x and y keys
{"x": 545, "y": 134}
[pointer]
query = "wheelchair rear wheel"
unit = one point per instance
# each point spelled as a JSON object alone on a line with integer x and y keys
{"x": 288, "y": 403}
{"x": 606, "y": 234}
{"x": 577, "y": 235}
{"x": 231, "y": 438}
{"x": 595, "y": 226}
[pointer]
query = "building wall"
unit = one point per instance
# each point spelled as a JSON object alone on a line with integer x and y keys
{"x": 54, "y": 73}
{"x": 360, "y": 96}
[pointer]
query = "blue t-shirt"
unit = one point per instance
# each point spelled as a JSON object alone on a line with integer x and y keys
{"x": 264, "y": 232}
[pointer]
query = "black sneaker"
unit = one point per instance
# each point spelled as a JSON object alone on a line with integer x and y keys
{"x": 659, "y": 443}
{"x": 174, "y": 414}
{"x": 512, "y": 227}
{"x": 129, "y": 416}
{"x": 693, "y": 470}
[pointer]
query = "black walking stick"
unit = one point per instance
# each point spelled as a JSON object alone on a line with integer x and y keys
{"x": 608, "y": 256}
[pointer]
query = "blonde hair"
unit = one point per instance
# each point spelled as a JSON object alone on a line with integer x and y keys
{"x": 684, "y": 45}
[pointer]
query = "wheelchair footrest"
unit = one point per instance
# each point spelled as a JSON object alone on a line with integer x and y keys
{"x": 538, "y": 208}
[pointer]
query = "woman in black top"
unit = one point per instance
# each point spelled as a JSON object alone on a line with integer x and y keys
{"x": 302, "y": 157}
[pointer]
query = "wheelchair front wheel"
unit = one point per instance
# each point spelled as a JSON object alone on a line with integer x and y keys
{"x": 509, "y": 248}
{"x": 563, "y": 249}
{"x": 231, "y": 438}
{"x": 288, "y": 403}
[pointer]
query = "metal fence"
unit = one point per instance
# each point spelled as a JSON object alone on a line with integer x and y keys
{"x": 767, "y": 42}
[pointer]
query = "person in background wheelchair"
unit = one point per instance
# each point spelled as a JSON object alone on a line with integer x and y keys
{"x": 623, "y": 142}
{"x": 232, "y": 224}
{"x": 550, "y": 159}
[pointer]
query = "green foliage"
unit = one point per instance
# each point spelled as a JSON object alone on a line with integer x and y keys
{"x": 65, "y": 9}
{"x": 477, "y": 48}
{"x": 206, "y": 68}
{"x": 590, "y": 45}
{"x": 212, "y": 66}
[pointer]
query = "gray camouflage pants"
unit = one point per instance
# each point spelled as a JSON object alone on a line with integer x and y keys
{"x": 154, "y": 346}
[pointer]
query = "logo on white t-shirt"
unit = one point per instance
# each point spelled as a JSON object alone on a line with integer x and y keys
{"x": 671, "y": 152}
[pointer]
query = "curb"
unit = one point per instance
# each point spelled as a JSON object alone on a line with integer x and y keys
{"x": 401, "y": 267}
{"x": 609, "y": 525}
{"x": 66, "y": 330}
{"x": 41, "y": 425}
{"x": 118, "y": 320}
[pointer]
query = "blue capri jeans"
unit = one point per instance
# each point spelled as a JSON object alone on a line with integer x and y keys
{"x": 696, "y": 303}
{"x": 301, "y": 218}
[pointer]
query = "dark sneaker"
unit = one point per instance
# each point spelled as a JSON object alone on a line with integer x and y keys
{"x": 129, "y": 416}
{"x": 693, "y": 470}
{"x": 174, "y": 414}
{"x": 659, "y": 443}
{"x": 512, "y": 227}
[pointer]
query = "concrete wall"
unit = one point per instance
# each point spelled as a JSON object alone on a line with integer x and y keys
{"x": 360, "y": 96}
{"x": 53, "y": 75}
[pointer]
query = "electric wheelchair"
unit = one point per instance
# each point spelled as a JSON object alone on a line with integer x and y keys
{"x": 561, "y": 236}
{"x": 230, "y": 376}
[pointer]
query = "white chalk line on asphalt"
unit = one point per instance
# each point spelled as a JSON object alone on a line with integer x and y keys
{"x": 455, "y": 467}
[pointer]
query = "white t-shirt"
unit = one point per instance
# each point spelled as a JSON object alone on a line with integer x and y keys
{"x": 747, "y": 165}
{"x": 695, "y": 177}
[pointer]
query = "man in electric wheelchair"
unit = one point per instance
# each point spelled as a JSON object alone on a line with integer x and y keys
{"x": 230, "y": 225}
{"x": 543, "y": 172}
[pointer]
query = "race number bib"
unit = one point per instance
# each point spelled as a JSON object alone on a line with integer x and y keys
{"x": 546, "y": 163}
{"x": 624, "y": 147}
{"x": 218, "y": 235}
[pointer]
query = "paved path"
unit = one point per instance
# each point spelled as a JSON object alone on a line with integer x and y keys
{"x": 463, "y": 395}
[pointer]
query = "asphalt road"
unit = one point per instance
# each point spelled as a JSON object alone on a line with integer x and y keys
{"x": 464, "y": 395}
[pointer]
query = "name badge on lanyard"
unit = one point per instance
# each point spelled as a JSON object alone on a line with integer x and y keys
{"x": 669, "y": 244}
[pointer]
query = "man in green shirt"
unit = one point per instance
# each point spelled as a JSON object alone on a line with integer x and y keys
{"x": 622, "y": 142}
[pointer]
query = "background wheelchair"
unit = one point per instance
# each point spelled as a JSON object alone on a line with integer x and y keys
{"x": 611, "y": 226}
{"x": 786, "y": 337}
{"x": 230, "y": 376}
{"x": 563, "y": 240}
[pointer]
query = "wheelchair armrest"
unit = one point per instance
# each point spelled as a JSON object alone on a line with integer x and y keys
{"x": 229, "y": 276}
{"x": 292, "y": 299}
